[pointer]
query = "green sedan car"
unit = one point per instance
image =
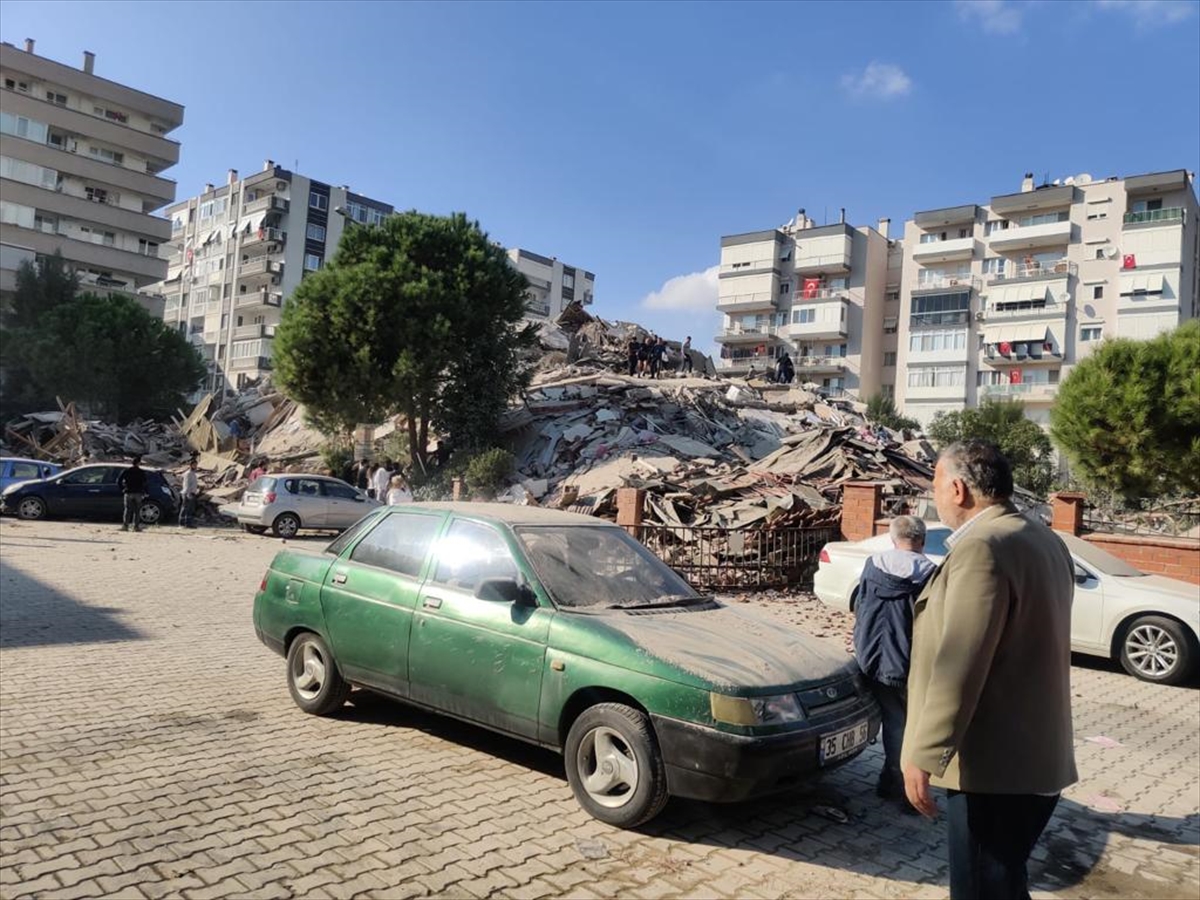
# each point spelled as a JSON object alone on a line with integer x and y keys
{"x": 564, "y": 631}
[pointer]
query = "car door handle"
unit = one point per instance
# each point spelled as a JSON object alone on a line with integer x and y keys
{"x": 432, "y": 602}
{"x": 93, "y": 490}
{"x": 339, "y": 577}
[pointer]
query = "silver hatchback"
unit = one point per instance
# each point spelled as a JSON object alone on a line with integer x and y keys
{"x": 287, "y": 503}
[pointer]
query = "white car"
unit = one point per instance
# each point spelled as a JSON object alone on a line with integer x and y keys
{"x": 1149, "y": 622}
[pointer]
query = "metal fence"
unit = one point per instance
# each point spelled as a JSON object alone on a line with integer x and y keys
{"x": 722, "y": 559}
{"x": 1178, "y": 519}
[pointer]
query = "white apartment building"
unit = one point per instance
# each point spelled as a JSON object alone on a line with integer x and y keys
{"x": 821, "y": 294}
{"x": 1002, "y": 299}
{"x": 236, "y": 253}
{"x": 81, "y": 163}
{"x": 553, "y": 286}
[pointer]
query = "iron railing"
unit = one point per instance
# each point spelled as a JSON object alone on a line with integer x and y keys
{"x": 1180, "y": 518}
{"x": 714, "y": 558}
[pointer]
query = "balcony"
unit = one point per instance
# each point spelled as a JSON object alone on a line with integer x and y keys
{"x": 260, "y": 267}
{"x": 739, "y": 334}
{"x": 1030, "y": 392}
{"x": 825, "y": 250}
{"x": 248, "y": 332}
{"x": 1029, "y": 237}
{"x": 1034, "y": 271}
{"x": 819, "y": 365}
{"x": 270, "y": 203}
{"x": 820, "y": 294}
{"x": 817, "y": 330}
{"x": 944, "y": 251}
{"x": 1024, "y": 310}
{"x": 538, "y": 309}
{"x": 1018, "y": 357}
{"x": 264, "y": 235}
{"x": 936, "y": 283}
{"x": 758, "y": 360}
{"x": 761, "y": 300}
{"x": 1172, "y": 215}
{"x": 258, "y": 298}
{"x": 251, "y": 362}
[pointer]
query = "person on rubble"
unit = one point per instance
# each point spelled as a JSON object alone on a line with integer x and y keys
{"x": 634, "y": 346}
{"x": 658, "y": 354}
{"x": 133, "y": 487}
{"x": 883, "y": 623}
{"x": 686, "y": 352}
{"x": 784, "y": 370}
{"x": 189, "y": 491}
{"x": 644, "y": 356}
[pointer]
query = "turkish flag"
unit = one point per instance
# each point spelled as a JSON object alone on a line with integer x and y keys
{"x": 260, "y": 234}
{"x": 811, "y": 287}
{"x": 1130, "y": 261}
{"x": 1005, "y": 348}
{"x": 1014, "y": 377}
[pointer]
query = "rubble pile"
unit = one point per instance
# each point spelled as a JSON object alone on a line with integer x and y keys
{"x": 66, "y": 437}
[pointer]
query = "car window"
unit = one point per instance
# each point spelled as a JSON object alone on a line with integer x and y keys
{"x": 339, "y": 491}
{"x": 92, "y": 475}
{"x": 471, "y": 553}
{"x": 399, "y": 542}
{"x": 935, "y": 541}
{"x": 350, "y": 535}
{"x": 303, "y": 487}
{"x": 26, "y": 470}
{"x": 262, "y": 483}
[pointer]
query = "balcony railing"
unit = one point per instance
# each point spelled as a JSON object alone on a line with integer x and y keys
{"x": 538, "y": 309}
{"x": 260, "y": 266}
{"x": 264, "y": 234}
{"x": 947, "y": 282}
{"x": 1034, "y": 270}
{"x": 1170, "y": 214}
{"x": 815, "y": 296}
{"x": 734, "y": 331}
{"x": 1028, "y": 390}
{"x": 259, "y": 330}
{"x": 741, "y": 362}
{"x": 268, "y": 202}
{"x": 820, "y": 362}
{"x": 761, "y": 298}
{"x": 259, "y": 298}
{"x": 1015, "y": 311}
{"x": 251, "y": 362}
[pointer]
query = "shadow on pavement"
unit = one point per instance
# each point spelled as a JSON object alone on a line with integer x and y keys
{"x": 34, "y": 614}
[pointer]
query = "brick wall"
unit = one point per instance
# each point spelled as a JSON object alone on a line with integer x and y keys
{"x": 861, "y": 505}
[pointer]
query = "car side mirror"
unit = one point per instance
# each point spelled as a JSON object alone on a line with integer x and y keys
{"x": 506, "y": 590}
{"x": 1082, "y": 576}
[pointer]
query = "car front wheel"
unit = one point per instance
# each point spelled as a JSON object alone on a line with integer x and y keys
{"x": 151, "y": 512}
{"x": 31, "y": 508}
{"x": 313, "y": 677}
{"x": 1157, "y": 649}
{"x": 614, "y": 765}
{"x": 286, "y": 525}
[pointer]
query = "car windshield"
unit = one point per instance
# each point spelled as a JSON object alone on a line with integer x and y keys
{"x": 601, "y": 567}
{"x": 261, "y": 484}
{"x": 1093, "y": 556}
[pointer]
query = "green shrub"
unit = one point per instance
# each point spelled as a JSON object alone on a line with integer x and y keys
{"x": 487, "y": 472}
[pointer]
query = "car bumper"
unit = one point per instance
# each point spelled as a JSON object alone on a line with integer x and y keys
{"x": 705, "y": 764}
{"x": 249, "y": 516}
{"x": 830, "y": 586}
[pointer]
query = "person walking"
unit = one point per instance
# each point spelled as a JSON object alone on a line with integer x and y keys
{"x": 658, "y": 351}
{"x": 382, "y": 479}
{"x": 883, "y": 617}
{"x": 189, "y": 490}
{"x": 644, "y": 356}
{"x": 686, "y": 353}
{"x": 398, "y": 492}
{"x": 362, "y": 475}
{"x": 634, "y": 346}
{"x": 133, "y": 487}
{"x": 989, "y": 692}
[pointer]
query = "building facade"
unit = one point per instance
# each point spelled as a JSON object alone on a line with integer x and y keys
{"x": 1002, "y": 299}
{"x": 236, "y": 252}
{"x": 553, "y": 286}
{"x": 817, "y": 293}
{"x": 81, "y": 171}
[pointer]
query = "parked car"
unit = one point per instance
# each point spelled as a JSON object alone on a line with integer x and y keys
{"x": 1150, "y": 623}
{"x": 564, "y": 631}
{"x": 88, "y": 492}
{"x": 287, "y": 503}
{"x": 15, "y": 469}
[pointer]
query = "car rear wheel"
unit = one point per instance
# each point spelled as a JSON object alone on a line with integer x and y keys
{"x": 313, "y": 677}
{"x": 1157, "y": 649}
{"x": 151, "y": 512}
{"x": 255, "y": 529}
{"x": 286, "y": 525}
{"x": 31, "y": 508}
{"x": 614, "y": 765}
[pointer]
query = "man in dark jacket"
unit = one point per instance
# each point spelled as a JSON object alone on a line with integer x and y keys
{"x": 133, "y": 486}
{"x": 883, "y": 622}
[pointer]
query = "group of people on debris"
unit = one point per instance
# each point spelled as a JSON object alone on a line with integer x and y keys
{"x": 383, "y": 481}
{"x": 649, "y": 357}
{"x": 970, "y": 662}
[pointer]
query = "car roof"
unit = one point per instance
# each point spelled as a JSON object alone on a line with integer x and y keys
{"x": 510, "y": 513}
{"x": 40, "y": 462}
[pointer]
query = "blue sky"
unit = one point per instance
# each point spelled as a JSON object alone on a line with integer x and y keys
{"x": 626, "y": 138}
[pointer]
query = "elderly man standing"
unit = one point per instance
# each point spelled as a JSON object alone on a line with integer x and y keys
{"x": 883, "y": 617}
{"x": 989, "y": 713}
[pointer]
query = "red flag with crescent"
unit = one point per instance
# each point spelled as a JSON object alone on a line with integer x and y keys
{"x": 1005, "y": 348}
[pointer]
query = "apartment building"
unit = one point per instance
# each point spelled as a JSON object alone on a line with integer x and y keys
{"x": 1002, "y": 299}
{"x": 81, "y": 172}
{"x": 821, "y": 294}
{"x": 553, "y": 286}
{"x": 237, "y": 251}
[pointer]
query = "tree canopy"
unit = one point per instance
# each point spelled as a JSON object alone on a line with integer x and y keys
{"x": 104, "y": 352}
{"x": 1003, "y": 423}
{"x": 421, "y": 316}
{"x": 1128, "y": 416}
{"x": 881, "y": 410}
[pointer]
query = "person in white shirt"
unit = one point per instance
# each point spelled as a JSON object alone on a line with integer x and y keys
{"x": 381, "y": 479}
{"x": 189, "y": 491}
{"x": 399, "y": 492}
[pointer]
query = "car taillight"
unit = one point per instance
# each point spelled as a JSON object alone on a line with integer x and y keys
{"x": 824, "y": 557}
{"x": 269, "y": 497}
{"x": 262, "y": 585}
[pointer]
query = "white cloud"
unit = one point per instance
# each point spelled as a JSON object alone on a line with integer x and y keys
{"x": 878, "y": 80}
{"x": 1152, "y": 13}
{"x": 697, "y": 291}
{"x": 993, "y": 16}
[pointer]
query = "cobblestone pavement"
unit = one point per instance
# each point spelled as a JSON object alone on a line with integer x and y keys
{"x": 149, "y": 748}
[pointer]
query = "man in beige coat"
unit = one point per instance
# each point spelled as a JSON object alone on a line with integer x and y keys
{"x": 989, "y": 714}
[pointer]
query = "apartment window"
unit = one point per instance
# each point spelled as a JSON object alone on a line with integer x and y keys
{"x": 995, "y": 225}
{"x": 937, "y": 376}
{"x": 177, "y": 222}
{"x": 96, "y": 195}
{"x": 891, "y": 324}
{"x": 46, "y": 224}
{"x": 1043, "y": 219}
{"x": 835, "y": 349}
{"x": 1093, "y": 333}
{"x": 15, "y": 214}
{"x": 109, "y": 156}
{"x": 218, "y": 206}
{"x": 889, "y": 390}
{"x": 376, "y": 216}
{"x": 96, "y": 236}
{"x": 21, "y": 127}
{"x": 147, "y": 248}
{"x": 13, "y": 85}
{"x": 889, "y": 358}
{"x": 840, "y": 283}
{"x": 315, "y": 232}
{"x": 933, "y": 237}
{"x": 318, "y": 201}
{"x": 56, "y": 99}
{"x": 1097, "y": 214}
{"x": 964, "y": 232}
{"x": 110, "y": 114}
{"x": 941, "y": 309}
{"x": 1146, "y": 205}
{"x": 892, "y": 297}
{"x": 568, "y": 280}
{"x": 1098, "y": 292}
{"x": 312, "y": 262}
{"x": 785, "y": 288}
{"x": 994, "y": 265}
{"x": 19, "y": 170}
{"x": 206, "y": 209}
{"x": 803, "y": 316}
{"x": 741, "y": 265}
{"x": 1099, "y": 253}
{"x": 939, "y": 339}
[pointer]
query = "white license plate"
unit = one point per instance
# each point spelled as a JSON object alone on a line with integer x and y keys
{"x": 254, "y": 499}
{"x": 843, "y": 743}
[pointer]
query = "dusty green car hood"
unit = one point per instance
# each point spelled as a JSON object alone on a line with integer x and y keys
{"x": 729, "y": 648}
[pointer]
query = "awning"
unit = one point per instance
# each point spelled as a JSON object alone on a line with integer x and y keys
{"x": 1150, "y": 283}
{"x": 1015, "y": 334}
{"x": 1019, "y": 293}
{"x": 253, "y": 222}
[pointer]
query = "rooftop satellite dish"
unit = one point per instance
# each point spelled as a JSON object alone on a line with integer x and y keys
{"x": 1083, "y": 178}
{"x": 1070, "y": 180}
{"x": 1110, "y": 252}
{"x": 1057, "y": 182}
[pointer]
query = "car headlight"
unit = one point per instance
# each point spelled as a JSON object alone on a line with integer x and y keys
{"x": 775, "y": 710}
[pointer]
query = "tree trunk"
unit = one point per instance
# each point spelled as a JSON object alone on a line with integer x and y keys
{"x": 410, "y": 420}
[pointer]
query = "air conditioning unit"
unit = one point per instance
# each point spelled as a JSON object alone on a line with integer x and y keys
{"x": 980, "y": 316}
{"x": 1111, "y": 252}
